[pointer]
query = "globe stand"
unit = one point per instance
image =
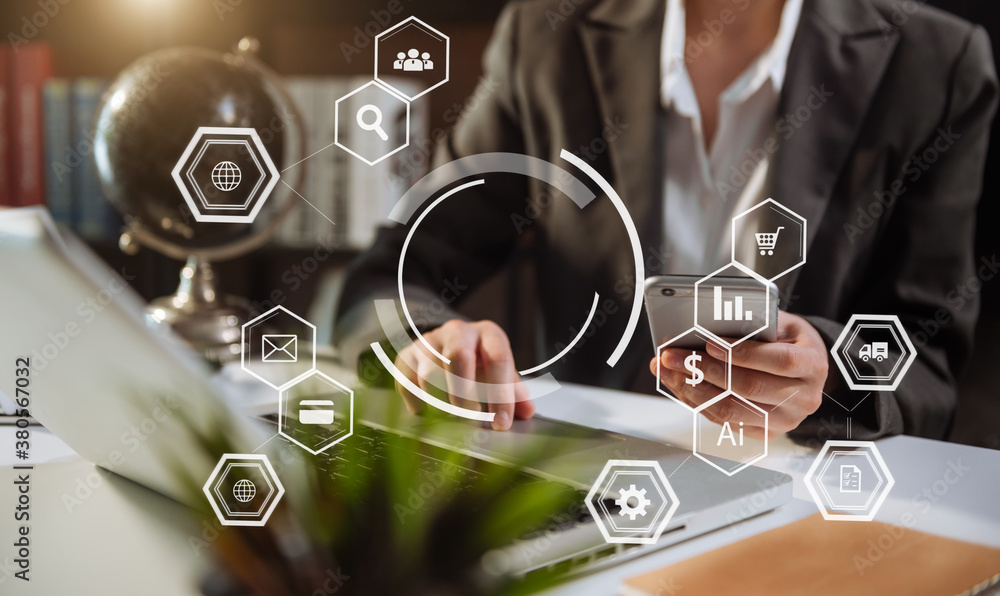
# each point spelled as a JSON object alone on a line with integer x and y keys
{"x": 210, "y": 322}
{"x": 132, "y": 115}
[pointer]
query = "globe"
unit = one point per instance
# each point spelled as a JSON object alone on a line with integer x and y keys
{"x": 149, "y": 115}
{"x": 244, "y": 490}
{"x": 226, "y": 176}
{"x": 146, "y": 119}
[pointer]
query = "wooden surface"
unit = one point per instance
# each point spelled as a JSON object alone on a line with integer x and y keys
{"x": 817, "y": 557}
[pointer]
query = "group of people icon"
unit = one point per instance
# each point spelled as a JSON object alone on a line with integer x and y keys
{"x": 413, "y": 61}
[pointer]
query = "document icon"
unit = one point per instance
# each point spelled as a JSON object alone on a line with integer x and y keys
{"x": 850, "y": 479}
{"x": 280, "y": 348}
{"x": 323, "y": 414}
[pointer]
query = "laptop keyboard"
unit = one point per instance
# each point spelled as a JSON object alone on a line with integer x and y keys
{"x": 370, "y": 447}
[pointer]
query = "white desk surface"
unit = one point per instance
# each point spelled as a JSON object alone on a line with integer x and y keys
{"x": 125, "y": 539}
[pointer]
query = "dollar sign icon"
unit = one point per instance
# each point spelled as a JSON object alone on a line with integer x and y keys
{"x": 691, "y": 363}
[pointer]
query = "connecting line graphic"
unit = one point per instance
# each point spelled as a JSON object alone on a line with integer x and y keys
{"x": 784, "y": 400}
{"x": 825, "y": 394}
{"x": 681, "y": 464}
{"x": 264, "y": 443}
{"x": 307, "y": 202}
{"x": 308, "y": 156}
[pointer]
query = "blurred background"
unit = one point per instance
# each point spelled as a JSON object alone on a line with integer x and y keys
{"x": 68, "y": 51}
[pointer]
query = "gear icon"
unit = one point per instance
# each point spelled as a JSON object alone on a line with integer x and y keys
{"x": 638, "y": 497}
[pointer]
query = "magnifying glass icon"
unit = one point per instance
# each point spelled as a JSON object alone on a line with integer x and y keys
{"x": 376, "y": 125}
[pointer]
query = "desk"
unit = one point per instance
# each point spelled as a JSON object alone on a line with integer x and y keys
{"x": 129, "y": 540}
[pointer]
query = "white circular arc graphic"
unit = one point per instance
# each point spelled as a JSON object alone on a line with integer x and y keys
{"x": 506, "y": 163}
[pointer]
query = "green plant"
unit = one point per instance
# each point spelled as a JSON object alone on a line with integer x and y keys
{"x": 413, "y": 521}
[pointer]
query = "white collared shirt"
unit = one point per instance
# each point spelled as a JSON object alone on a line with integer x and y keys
{"x": 703, "y": 190}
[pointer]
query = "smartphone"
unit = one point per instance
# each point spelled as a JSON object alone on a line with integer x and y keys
{"x": 729, "y": 307}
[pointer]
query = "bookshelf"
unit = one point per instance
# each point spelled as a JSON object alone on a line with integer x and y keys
{"x": 92, "y": 40}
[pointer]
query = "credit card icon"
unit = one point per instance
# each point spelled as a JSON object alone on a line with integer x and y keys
{"x": 316, "y": 411}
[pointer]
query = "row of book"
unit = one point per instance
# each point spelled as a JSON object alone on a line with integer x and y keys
{"x": 46, "y": 155}
{"x": 23, "y": 71}
{"x": 46, "y": 147}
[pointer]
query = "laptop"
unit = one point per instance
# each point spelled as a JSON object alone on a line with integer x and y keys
{"x": 116, "y": 388}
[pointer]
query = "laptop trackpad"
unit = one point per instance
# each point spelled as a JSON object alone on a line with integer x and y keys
{"x": 547, "y": 446}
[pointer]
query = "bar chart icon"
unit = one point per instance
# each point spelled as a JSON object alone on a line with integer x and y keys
{"x": 729, "y": 310}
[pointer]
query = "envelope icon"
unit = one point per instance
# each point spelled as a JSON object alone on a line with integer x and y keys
{"x": 316, "y": 416}
{"x": 280, "y": 348}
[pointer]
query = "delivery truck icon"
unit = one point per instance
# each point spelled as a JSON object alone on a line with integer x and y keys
{"x": 878, "y": 350}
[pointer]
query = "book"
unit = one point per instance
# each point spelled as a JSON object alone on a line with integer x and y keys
{"x": 5, "y": 182}
{"x": 294, "y": 229}
{"x": 57, "y": 139}
{"x": 94, "y": 216}
{"x": 29, "y": 65}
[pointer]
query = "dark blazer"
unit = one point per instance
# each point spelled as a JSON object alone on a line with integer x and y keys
{"x": 865, "y": 93}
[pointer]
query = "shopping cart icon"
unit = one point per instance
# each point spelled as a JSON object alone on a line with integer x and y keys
{"x": 767, "y": 240}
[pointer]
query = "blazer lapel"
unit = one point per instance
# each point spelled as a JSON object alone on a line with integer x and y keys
{"x": 621, "y": 41}
{"x": 834, "y": 68}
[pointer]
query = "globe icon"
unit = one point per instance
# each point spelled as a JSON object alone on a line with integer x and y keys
{"x": 244, "y": 490}
{"x": 226, "y": 176}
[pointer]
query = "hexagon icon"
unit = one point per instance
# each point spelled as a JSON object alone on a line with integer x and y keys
{"x": 414, "y": 50}
{"x": 725, "y": 447}
{"x": 873, "y": 352}
{"x": 279, "y": 347}
{"x": 372, "y": 122}
{"x": 769, "y": 240}
{"x": 316, "y": 412}
{"x": 734, "y": 307}
{"x": 849, "y": 480}
{"x": 693, "y": 341}
{"x": 243, "y": 489}
{"x": 225, "y": 174}
{"x": 632, "y": 501}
